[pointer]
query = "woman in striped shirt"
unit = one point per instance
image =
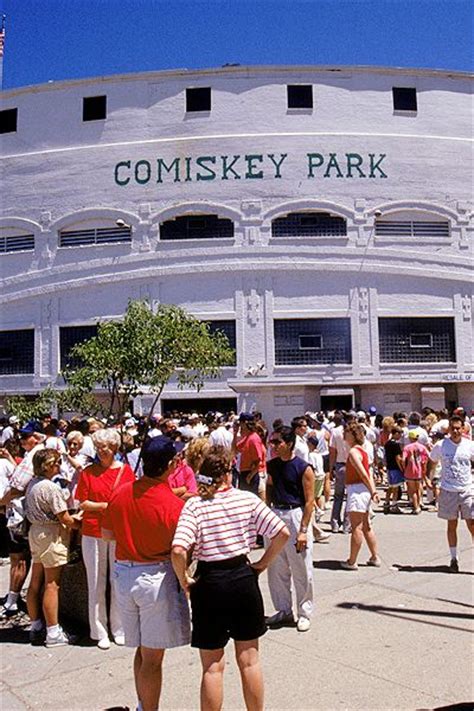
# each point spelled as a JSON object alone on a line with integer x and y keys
{"x": 219, "y": 526}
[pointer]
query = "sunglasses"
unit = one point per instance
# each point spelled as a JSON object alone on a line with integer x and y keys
{"x": 276, "y": 441}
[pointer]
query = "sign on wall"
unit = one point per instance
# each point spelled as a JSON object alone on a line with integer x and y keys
{"x": 251, "y": 166}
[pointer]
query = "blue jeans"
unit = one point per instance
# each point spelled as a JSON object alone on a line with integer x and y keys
{"x": 339, "y": 493}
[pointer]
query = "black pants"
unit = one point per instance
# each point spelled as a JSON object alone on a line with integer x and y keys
{"x": 253, "y": 486}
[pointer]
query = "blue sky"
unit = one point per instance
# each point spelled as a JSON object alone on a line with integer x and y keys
{"x": 62, "y": 39}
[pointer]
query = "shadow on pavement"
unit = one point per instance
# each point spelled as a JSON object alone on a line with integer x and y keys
{"x": 411, "y": 614}
{"x": 327, "y": 564}
{"x": 428, "y": 569}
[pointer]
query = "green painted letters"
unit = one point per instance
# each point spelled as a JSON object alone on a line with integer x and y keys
{"x": 354, "y": 160}
{"x": 201, "y": 162}
{"x": 314, "y": 161}
{"x": 251, "y": 166}
{"x": 226, "y": 168}
{"x": 332, "y": 163}
{"x": 277, "y": 164}
{"x": 161, "y": 165}
{"x": 122, "y": 164}
{"x": 142, "y": 180}
{"x": 376, "y": 165}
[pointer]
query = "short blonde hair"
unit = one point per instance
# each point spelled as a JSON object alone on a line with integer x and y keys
{"x": 107, "y": 436}
{"x": 195, "y": 452}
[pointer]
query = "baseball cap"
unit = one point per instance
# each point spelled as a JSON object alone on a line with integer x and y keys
{"x": 30, "y": 428}
{"x": 13, "y": 420}
{"x": 372, "y": 410}
{"x": 246, "y": 417}
{"x": 159, "y": 451}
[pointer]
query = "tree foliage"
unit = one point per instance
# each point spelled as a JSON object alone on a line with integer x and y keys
{"x": 143, "y": 352}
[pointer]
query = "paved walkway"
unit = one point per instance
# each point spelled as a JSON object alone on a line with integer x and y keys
{"x": 398, "y": 637}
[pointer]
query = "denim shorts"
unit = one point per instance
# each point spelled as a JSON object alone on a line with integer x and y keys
{"x": 395, "y": 477}
{"x": 154, "y": 609}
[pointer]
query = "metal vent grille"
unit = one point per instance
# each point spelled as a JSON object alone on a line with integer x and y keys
{"x": 197, "y": 227}
{"x": 17, "y": 352}
{"x": 17, "y": 243}
{"x": 333, "y": 336}
{"x": 417, "y": 340}
{"x": 309, "y": 224}
{"x": 100, "y": 235}
{"x": 386, "y": 228}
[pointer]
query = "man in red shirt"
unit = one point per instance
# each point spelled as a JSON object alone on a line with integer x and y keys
{"x": 252, "y": 453}
{"x": 142, "y": 517}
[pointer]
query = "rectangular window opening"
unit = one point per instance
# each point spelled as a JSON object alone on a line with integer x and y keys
{"x": 94, "y": 108}
{"x": 8, "y": 120}
{"x": 198, "y": 99}
{"x": 300, "y": 96}
{"x": 421, "y": 340}
{"x": 404, "y": 99}
{"x": 312, "y": 342}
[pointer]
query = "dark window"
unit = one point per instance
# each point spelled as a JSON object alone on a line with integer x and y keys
{"x": 330, "y": 340}
{"x": 101, "y": 235}
{"x": 8, "y": 120}
{"x": 421, "y": 340}
{"x": 198, "y": 99}
{"x": 17, "y": 243}
{"x": 94, "y": 108}
{"x": 300, "y": 96}
{"x": 312, "y": 342}
{"x": 69, "y": 336}
{"x": 411, "y": 228}
{"x": 17, "y": 352}
{"x": 228, "y": 329}
{"x": 404, "y": 99}
{"x": 197, "y": 227}
{"x": 417, "y": 340}
{"x": 309, "y": 224}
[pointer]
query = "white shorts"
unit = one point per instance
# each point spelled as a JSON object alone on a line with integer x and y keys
{"x": 358, "y": 498}
{"x": 154, "y": 609}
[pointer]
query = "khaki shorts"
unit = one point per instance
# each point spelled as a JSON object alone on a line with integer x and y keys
{"x": 318, "y": 488}
{"x": 453, "y": 503}
{"x": 48, "y": 544}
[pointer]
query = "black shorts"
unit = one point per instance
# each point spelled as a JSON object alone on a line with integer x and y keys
{"x": 18, "y": 544}
{"x": 326, "y": 463}
{"x": 226, "y": 603}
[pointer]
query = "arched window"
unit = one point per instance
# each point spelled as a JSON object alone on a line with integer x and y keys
{"x": 309, "y": 224}
{"x": 197, "y": 227}
{"x": 412, "y": 224}
{"x": 19, "y": 242}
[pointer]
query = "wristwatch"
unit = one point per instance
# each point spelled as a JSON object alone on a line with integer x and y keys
{"x": 304, "y": 529}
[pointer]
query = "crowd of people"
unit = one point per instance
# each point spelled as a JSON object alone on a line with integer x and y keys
{"x": 186, "y": 498}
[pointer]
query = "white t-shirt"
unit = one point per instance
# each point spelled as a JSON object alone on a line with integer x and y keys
{"x": 456, "y": 473}
{"x": 301, "y": 449}
{"x": 221, "y": 437}
{"x": 338, "y": 443}
{"x": 316, "y": 461}
{"x": 6, "y": 470}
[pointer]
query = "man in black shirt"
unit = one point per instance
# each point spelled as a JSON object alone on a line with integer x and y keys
{"x": 393, "y": 456}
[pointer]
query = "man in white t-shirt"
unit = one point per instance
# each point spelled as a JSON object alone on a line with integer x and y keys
{"x": 221, "y": 436}
{"x": 455, "y": 453}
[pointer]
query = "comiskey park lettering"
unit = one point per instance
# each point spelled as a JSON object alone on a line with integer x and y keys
{"x": 251, "y": 166}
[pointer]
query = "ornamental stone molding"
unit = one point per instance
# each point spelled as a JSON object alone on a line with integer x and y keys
{"x": 466, "y": 303}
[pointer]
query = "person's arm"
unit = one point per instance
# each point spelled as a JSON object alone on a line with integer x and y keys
{"x": 179, "y": 560}
{"x": 93, "y": 505}
{"x": 308, "y": 489}
{"x": 356, "y": 459}
{"x": 66, "y": 519}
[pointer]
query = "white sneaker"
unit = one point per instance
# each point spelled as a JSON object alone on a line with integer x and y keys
{"x": 119, "y": 640}
{"x": 322, "y": 537}
{"x": 104, "y": 643}
{"x": 59, "y": 640}
{"x": 303, "y": 624}
{"x": 280, "y": 619}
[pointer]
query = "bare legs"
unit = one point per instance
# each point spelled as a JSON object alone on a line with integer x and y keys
{"x": 453, "y": 531}
{"x": 212, "y": 683}
{"x": 19, "y": 567}
{"x": 33, "y": 596}
{"x": 147, "y": 667}
{"x": 414, "y": 494}
{"x": 361, "y": 528}
{"x": 52, "y": 579}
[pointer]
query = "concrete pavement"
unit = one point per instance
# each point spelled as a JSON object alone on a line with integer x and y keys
{"x": 397, "y": 637}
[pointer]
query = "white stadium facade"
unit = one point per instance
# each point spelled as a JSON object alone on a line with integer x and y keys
{"x": 320, "y": 216}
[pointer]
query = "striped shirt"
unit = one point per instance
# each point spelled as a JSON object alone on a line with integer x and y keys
{"x": 226, "y": 525}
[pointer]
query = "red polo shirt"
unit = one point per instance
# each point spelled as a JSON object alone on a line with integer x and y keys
{"x": 143, "y": 517}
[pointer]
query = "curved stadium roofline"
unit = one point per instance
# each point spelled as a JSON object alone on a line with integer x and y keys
{"x": 237, "y": 69}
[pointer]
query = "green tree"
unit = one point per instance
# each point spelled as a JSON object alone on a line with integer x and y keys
{"x": 31, "y": 408}
{"x": 143, "y": 352}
